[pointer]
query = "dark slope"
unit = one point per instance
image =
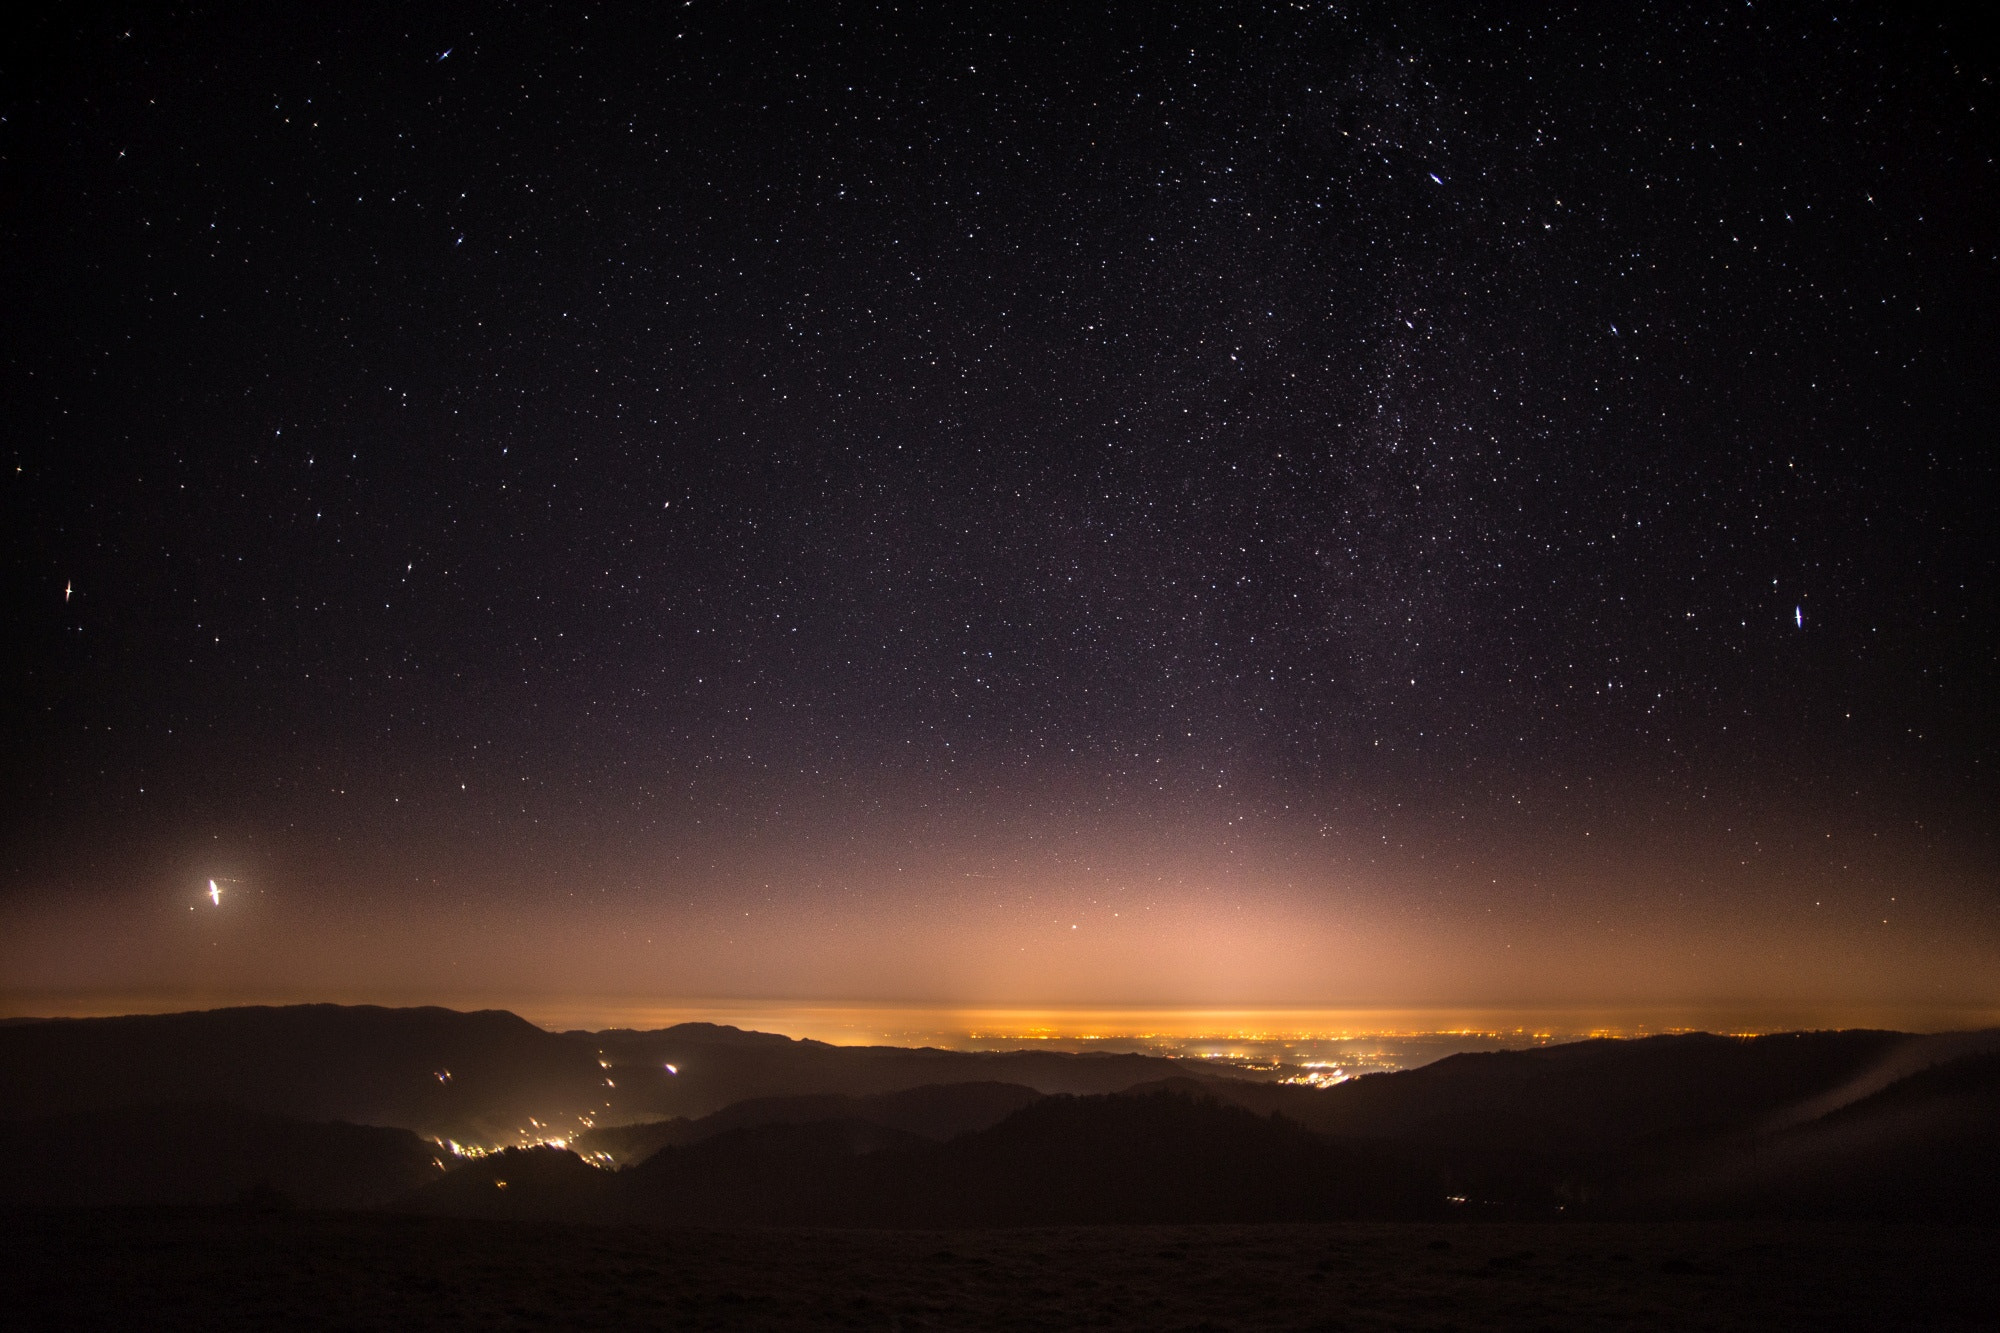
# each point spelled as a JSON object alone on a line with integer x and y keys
{"x": 207, "y": 1155}
{"x": 541, "y": 1182}
{"x": 1155, "y": 1158}
{"x": 311, "y": 1062}
{"x": 821, "y": 1174}
{"x": 1601, "y": 1095}
{"x": 1860, "y": 1122}
{"x": 1611, "y": 1126}
{"x": 1925, "y": 1148}
{"x": 1671, "y": 1126}
{"x": 389, "y": 1066}
{"x": 384, "y": 1066}
{"x": 941, "y": 1111}
{"x": 754, "y": 1175}
{"x": 721, "y": 1066}
{"x": 629, "y": 1145}
{"x": 937, "y": 1113}
{"x": 220, "y": 1270}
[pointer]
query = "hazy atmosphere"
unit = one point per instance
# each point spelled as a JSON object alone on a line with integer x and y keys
{"x": 1103, "y": 516}
{"x": 957, "y": 666}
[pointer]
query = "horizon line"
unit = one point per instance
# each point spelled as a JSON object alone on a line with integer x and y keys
{"x": 856, "y": 1023}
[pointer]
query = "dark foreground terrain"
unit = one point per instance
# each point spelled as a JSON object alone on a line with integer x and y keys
{"x": 239, "y": 1268}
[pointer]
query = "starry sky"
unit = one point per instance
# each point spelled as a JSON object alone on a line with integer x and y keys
{"x": 1346, "y": 505}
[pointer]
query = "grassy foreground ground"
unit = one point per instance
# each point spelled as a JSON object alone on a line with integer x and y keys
{"x": 215, "y": 1269}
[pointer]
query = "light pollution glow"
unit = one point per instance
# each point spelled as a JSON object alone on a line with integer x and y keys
{"x": 1196, "y": 930}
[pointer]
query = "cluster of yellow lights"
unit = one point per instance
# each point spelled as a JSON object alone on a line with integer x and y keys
{"x": 474, "y": 1151}
{"x": 1318, "y": 1074}
{"x": 1312, "y": 1073}
{"x": 536, "y": 1135}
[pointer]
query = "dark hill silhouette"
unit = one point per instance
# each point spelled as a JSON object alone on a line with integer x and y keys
{"x": 1911, "y": 1056}
{"x": 1923, "y": 1148}
{"x": 540, "y": 1182}
{"x": 1599, "y": 1095}
{"x": 751, "y": 1175}
{"x": 1927, "y": 1147}
{"x": 208, "y": 1155}
{"x": 1162, "y": 1157}
{"x": 816, "y": 1174}
{"x": 312, "y": 1062}
{"x": 1608, "y": 1126}
{"x": 1855, "y": 1122}
{"x": 937, "y": 1112}
{"x": 628, "y": 1145}
{"x": 720, "y": 1066}
{"x": 382, "y": 1066}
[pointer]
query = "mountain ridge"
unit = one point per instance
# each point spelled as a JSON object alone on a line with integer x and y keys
{"x": 1853, "y": 1122}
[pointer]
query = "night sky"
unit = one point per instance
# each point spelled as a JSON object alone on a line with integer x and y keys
{"x": 1353, "y": 505}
